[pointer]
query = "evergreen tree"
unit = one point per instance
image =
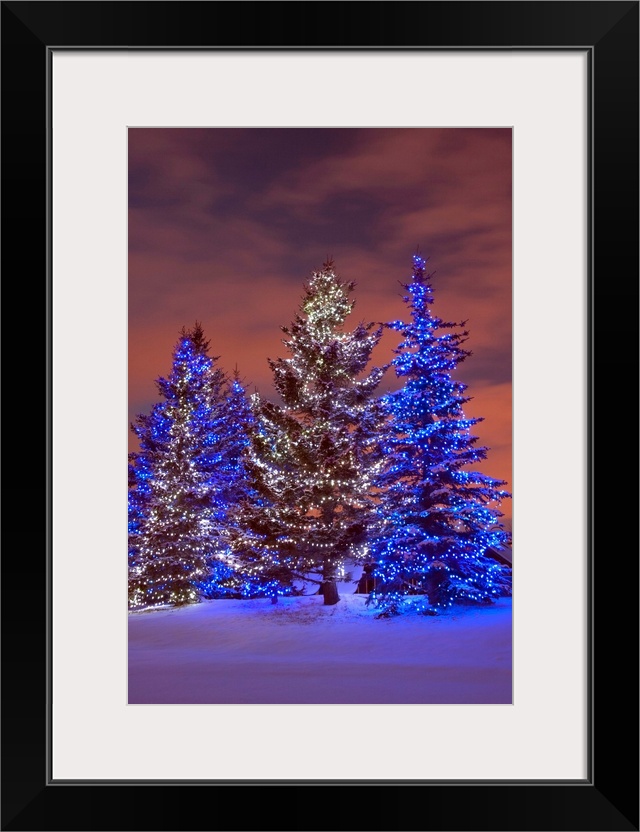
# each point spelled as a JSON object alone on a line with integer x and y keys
{"x": 436, "y": 521}
{"x": 226, "y": 576}
{"x": 313, "y": 458}
{"x": 175, "y": 506}
{"x": 234, "y": 440}
{"x": 258, "y": 552}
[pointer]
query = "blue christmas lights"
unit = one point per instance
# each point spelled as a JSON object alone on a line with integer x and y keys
{"x": 182, "y": 481}
{"x": 435, "y": 525}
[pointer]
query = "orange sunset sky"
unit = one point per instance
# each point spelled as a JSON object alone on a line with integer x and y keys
{"x": 226, "y": 225}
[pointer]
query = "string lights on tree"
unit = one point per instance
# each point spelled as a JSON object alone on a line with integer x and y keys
{"x": 176, "y": 507}
{"x": 314, "y": 457}
{"x": 228, "y": 576}
{"x": 437, "y": 518}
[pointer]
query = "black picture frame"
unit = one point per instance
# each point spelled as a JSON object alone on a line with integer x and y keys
{"x": 608, "y": 798}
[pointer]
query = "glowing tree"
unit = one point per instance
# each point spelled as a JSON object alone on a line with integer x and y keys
{"x": 175, "y": 505}
{"x": 437, "y": 517}
{"x": 233, "y": 441}
{"x": 233, "y": 489}
{"x": 313, "y": 457}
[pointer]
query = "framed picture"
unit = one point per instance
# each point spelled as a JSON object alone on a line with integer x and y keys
{"x": 77, "y": 757}
{"x": 196, "y": 196}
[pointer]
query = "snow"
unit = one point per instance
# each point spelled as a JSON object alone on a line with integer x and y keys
{"x": 300, "y": 652}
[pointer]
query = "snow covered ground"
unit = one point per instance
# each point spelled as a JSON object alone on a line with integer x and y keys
{"x": 299, "y": 651}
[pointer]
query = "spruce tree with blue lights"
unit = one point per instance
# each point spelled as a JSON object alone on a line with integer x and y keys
{"x": 175, "y": 506}
{"x": 227, "y": 576}
{"x": 234, "y": 441}
{"x": 437, "y": 518}
{"x": 314, "y": 457}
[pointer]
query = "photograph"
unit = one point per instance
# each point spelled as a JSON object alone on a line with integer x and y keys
{"x": 320, "y": 416}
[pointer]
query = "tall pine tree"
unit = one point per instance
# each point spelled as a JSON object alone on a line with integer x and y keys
{"x": 236, "y": 427}
{"x": 175, "y": 506}
{"x": 314, "y": 457}
{"x": 437, "y": 518}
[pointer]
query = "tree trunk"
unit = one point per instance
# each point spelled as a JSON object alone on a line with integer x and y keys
{"x": 433, "y": 584}
{"x": 274, "y": 599}
{"x": 330, "y": 592}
